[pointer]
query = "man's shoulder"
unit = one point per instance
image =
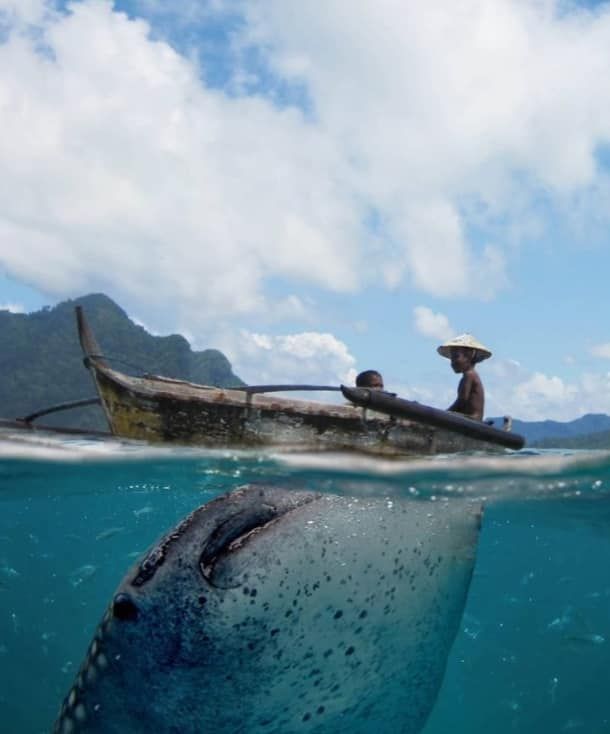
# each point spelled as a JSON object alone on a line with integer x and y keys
{"x": 475, "y": 379}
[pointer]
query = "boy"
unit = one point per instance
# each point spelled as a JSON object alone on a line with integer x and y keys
{"x": 370, "y": 378}
{"x": 465, "y": 351}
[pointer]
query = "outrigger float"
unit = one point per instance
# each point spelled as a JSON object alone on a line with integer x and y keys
{"x": 159, "y": 409}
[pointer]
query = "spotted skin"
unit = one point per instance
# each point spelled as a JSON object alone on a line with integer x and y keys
{"x": 269, "y": 611}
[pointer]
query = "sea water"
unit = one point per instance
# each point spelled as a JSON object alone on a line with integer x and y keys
{"x": 533, "y": 652}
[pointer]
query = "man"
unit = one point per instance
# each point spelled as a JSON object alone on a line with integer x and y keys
{"x": 465, "y": 351}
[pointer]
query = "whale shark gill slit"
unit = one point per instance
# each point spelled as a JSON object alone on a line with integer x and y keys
{"x": 157, "y": 555}
{"x": 235, "y": 531}
{"x": 232, "y": 521}
{"x": 229, "y": 535}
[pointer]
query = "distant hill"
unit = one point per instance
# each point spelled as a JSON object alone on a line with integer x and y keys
{"x": 41, "y": 360}
{"x": 585, "y": 432}
{"x": 597, "y": 440}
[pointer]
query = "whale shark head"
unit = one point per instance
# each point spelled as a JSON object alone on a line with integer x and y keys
{"x": 275, "y": 611}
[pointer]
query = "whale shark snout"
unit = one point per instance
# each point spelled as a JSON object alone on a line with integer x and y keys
{"x": 283, "y": 612}
{"x": 222, "y": 521}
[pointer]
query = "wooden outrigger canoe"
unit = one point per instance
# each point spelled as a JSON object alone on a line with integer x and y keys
{"x": 163, "y": 410}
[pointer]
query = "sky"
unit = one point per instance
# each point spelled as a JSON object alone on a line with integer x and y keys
{"x": 322, "y": 187}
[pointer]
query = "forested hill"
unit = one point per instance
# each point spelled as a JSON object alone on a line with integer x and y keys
{"x": 558, "y": 433}
{"x": 41, "y": 360}
{"x": 587, "y": 432}
{"x": 597, "y": 440}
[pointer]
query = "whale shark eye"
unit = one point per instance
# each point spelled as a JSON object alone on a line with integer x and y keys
{"x": 124, "y": 608}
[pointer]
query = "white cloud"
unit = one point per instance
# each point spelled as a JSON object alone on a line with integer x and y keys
{"x": 444, "y": 106}
{"x": 539, "y": 396}
{"x": 23, "y": 12}
{"x": 12, "y": 307}
{"x": 292, "y": 307}
{"x": 439, "y": 257}
{"x": 601, "y": 350}
{"x": 434, "y": 325}
{"x": 260, "y": 341}
{"x": 127, "y": 174}
{"x": 307, "y": 357}
{"x": 541, "y": 387}
{"x": 505, "y": 369}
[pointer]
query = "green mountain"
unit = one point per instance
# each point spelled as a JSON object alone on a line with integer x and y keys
{"x": 41, "y": 360}
{"x": 589, "y": 431}
{"x": 597, "y": 440}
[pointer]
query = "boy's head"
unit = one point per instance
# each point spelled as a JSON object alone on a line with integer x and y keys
{"x": 462, "y": 358}
{"x": 464, "y": 351}
{"x": 370, "y": 378}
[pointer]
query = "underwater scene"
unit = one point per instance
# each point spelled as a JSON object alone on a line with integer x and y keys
{"x": 532, "y": 648}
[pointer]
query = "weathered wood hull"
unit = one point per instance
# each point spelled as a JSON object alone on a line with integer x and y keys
{"x": 167, "y": 411}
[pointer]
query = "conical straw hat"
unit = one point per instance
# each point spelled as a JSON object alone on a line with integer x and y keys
{"x": 469, "y": 342}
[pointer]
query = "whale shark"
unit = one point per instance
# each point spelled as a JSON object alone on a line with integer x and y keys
{"x": 277, "y": 611}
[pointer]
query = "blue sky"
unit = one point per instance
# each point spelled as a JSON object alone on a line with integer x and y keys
{"x": 319, "y": 188}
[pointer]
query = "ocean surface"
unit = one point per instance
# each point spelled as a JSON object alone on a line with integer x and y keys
{"x": 533, "y": 652}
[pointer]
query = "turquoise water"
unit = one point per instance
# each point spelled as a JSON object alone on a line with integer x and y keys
{"x": 533, "y": 652}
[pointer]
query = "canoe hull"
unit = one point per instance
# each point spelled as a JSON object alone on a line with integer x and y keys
{"x": 167, "y": 411}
